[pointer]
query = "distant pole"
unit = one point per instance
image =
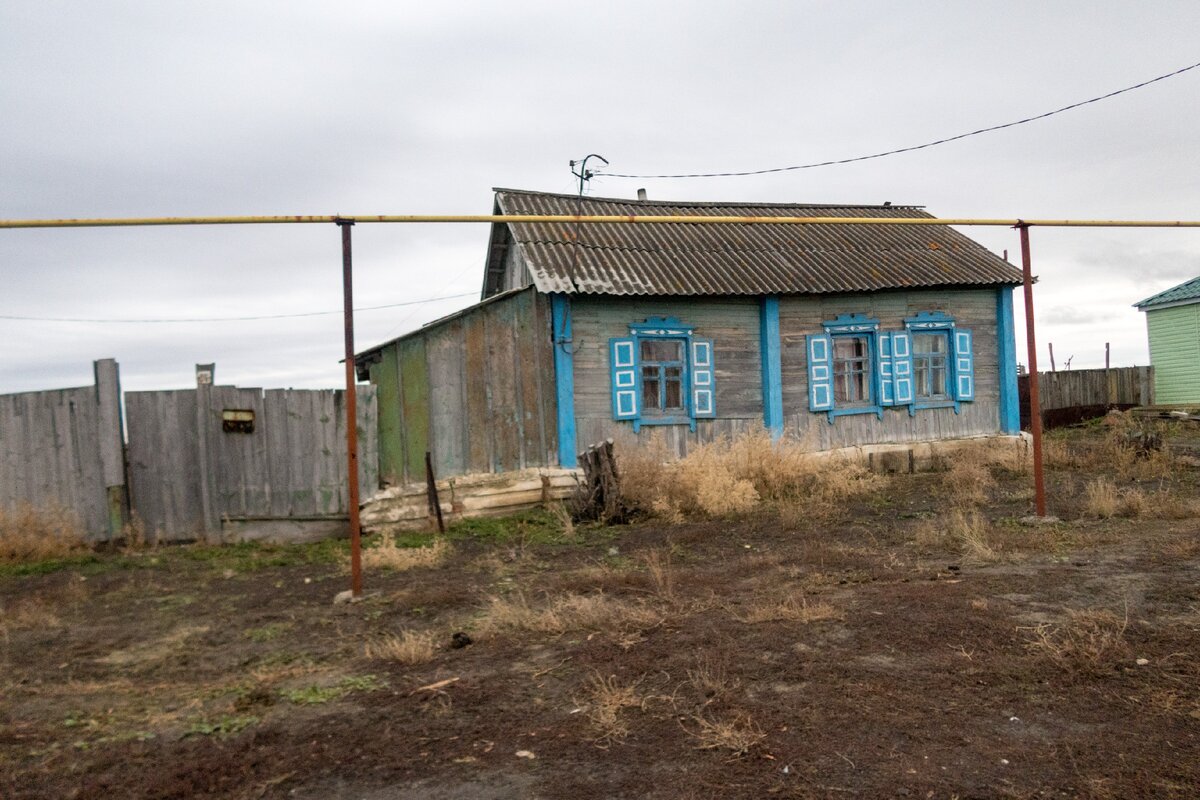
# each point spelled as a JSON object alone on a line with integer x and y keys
{"x": 1035, "y": 405}
{"x": 1053, "y": 366}
{"x": 351, "y": 411}
{"x": 1106, "y": 354}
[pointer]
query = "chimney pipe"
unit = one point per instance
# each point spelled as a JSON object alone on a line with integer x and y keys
{"x": 641, "y": 194}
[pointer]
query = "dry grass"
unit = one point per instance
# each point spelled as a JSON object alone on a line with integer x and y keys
{"x": 1089, "y": 641}
{"x": 28, "y": 615}
{"x": 711, "y": 680}
{"x": 738, "y": 734}
{"x": 564, "y": 613}
{"x": 603, "y": 702}
{"x": 787, "y": 609}
{"x": 1102, "y": 499}
{"x": 658, "y": 565}
{"x": 407, "y": 647}
{"x": 29, "y": 534}
{"x": 386, "y": 555}
{"x": 725, "y": 478}
{"x": 966, "y": 530}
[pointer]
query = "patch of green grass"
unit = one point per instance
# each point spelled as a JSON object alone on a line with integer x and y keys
{"x": 315, "y": 695}
{"x": 532, "y": 526}
{"x": 253, "y": 556}
{"x": 84, "y": 563}
{"x": 226, "y": 725}
{"x": 267, "y": 632}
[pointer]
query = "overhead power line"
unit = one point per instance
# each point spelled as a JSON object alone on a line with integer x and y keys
{"x": 912, "y": 148}
{"x": 235, "y": 319}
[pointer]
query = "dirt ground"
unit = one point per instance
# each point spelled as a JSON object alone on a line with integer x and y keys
{"x": 916, "y": 643}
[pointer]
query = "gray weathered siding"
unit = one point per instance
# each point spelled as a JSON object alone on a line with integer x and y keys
{"x": 62, "y": 448}
{"x": 971, "y": 308}
{"x": 731, "y": 322}
{"x": 187, "y": 474}
{"x": 476, "y": 390}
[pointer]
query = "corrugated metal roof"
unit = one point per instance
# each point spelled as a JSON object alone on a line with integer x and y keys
{"x": 1188, "y": 290}
{"x": 681, "y": 259}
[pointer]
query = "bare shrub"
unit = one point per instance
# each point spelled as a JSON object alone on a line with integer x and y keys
{"x": 564, "y": 613}
{"x": 1088, "y": 641}
{"x": 604, "y": 700}
{"x": 723, "y": 478}
{"x": 29, "y": 534}
{"x": 738, "y": 734}
{"x": 387, "y": 555}
{"x": 787, "y": 609}
{"x": 407, "y": 647}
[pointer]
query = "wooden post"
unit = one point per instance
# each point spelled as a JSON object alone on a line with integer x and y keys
{"x": 1035, "y": 404}
{"x": 112, "y": 444}
{"x": 435, "y": 505}
{"x": 1053, "y": 368}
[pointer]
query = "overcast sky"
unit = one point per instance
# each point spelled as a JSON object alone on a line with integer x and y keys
{"x": 112, "y": 109}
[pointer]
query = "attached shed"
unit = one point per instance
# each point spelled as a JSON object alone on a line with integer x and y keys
{"x": 1173, "y": 327}
{"x": 835, "y": 335}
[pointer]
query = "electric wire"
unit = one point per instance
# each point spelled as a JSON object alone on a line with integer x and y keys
{"x": 905, "y": 149}
{"x": 233, "y": 319}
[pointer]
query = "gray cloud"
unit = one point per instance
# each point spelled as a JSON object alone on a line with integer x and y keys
{"x": 142, "y": 108}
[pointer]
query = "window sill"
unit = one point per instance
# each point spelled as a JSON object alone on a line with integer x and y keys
{"x": 919, "y": 406}
{"x": 842, "y": 412}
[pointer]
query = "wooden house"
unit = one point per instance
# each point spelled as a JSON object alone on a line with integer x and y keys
{"x": 1173, "y": 327}
{"x": 835, "y": 335}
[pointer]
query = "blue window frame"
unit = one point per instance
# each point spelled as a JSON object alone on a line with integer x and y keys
{"x": 662, "y": 374}
{"x": 943, "y": 360}
{"x": 854, "y": 367}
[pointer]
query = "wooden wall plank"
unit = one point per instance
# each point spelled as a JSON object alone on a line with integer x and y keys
{"x": 414, "y": 402}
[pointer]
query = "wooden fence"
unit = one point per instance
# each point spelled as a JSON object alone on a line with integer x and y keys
{"x": 62, "y": 449}
{"x": 215, "y": 462}
{"x": 224, "y": 462}
{"x": 1070, "y": 396}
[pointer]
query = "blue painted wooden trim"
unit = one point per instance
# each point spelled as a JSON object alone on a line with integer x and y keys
{"x": 1006, "y": 338}
{"x": 564, "y": 377}
{"x": 772, "y": 366}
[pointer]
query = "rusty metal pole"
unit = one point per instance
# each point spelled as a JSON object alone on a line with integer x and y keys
{"x": 351, "y": 411}
{"x": 1035, "y": 405}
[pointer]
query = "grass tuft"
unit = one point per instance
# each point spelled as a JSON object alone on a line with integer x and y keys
{"x": 387, "y": 555}
{"x": 787, "y": 609}
{"x": 738, "y": 734}
{"x": 604, "y": 700}
{"x": 407, "y": 647}
{"x": 1089, "y": 641}
{"x": 30, "y": 535}
{"x": 564, "y": 613}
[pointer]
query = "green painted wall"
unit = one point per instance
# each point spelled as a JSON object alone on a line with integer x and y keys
{"x": 1175, "y": 353}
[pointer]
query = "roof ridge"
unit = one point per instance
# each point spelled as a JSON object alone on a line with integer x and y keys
{"x": 705, "y": 203}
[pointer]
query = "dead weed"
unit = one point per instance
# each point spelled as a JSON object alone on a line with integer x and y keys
{"x": 29, "y": 534}
{"x": 564, "y": 613}
{"x": 386, "y": 555}
{"x": 1089, "y": 641}
{"x": 738, "y": 734}
{"x": 407, "y": 647}
{"x": 603, "y": 701}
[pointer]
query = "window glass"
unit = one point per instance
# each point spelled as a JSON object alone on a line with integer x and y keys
{"x": 662, "y": 350}
{"x": 930, "y": 365}
{"x": 851, "y": 370}
{"x": 662, "y": 375}
{"x": 650, "y": 387}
